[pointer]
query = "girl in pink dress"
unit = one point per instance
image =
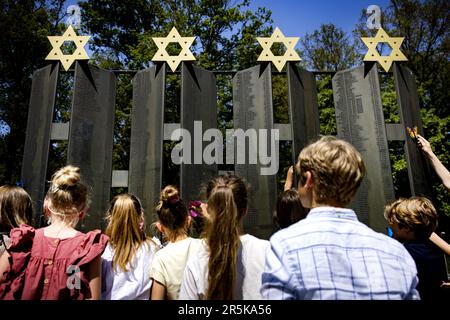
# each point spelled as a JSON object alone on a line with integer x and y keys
{"x": 56, "y": 262}
{"x": 16, "y": 208}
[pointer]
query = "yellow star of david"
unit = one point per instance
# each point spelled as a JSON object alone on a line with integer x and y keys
{"x": 173, "y": 61}
{"x": 373, "y": 54}
{"x": 68, "y": 59}
{"x": 289, "y": 43}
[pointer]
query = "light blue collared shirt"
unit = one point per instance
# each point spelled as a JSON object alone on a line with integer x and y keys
{"x": 330, "y": 255}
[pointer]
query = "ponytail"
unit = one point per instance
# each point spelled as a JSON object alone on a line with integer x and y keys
{"x": 222, "y": 236}
{"x": 124, "y": 232}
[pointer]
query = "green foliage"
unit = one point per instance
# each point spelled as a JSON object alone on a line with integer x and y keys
{"x": 225, "y": 30}
{"x": 389, "y": 99}
{"x": 24, "y": 27}
{"x": 327, "y": 114}
{"x": 329, "y": 49}
{"x": 122, "y": 37}
{"x": 226, "y": 34}
{"x": 280, "y": 98}
{"x": 426, "y": 28}
{"x": 437, "y": 130}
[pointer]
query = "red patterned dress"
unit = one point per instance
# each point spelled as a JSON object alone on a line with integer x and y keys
{"x": 43, "y": 268}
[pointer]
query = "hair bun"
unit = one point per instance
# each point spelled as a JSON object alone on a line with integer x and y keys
{"x": 66, "y": 177}
{"x": 169, "y": 195}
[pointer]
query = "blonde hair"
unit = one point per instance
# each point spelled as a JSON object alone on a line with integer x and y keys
{"x": 67, "y": 195}
{"x": 415, "y": 213}
{"x": 172, "y": 213}
{"x": 337, "y": 170}
{"x": 15, "y": 207}
{"x": 125, "y": 236}
{"x": 227, "y": 205}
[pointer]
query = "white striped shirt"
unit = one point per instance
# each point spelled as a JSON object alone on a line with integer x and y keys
{"x": 330, "y": 255}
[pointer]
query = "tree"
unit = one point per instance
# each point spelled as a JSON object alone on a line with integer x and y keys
{"x": 123, "y": 31}
{"x": 225, "y": 40}
{"x": 426, "y": 28}
{"x": 328, "y": 49}
{"x": 25, "y": 26}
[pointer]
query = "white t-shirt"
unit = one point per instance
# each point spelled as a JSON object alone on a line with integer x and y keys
{"x": 134, "y": 284}
{"x": 169, "y": 262}
{"x": 250, "y": 266}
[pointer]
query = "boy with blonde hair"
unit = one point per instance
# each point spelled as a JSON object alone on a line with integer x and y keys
{"x": 330, "y": 254}
{"x": 412, "y": 221}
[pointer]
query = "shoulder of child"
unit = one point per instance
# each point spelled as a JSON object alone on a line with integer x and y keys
{"x": 394, "y": 246}
{"x": 197, "y": 242}
{"x": 253, "y": 241}
{"x": 21, "y": 238}
{"x": 150, "y": 245}
{"x": 92, "y": 245}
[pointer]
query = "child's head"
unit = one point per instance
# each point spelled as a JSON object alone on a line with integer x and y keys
{"x": 67, "y": 198}
{"x": 238, "y": 187}
{"x": 411, "y": 219}
{"x": 227, "y": 205}
{"x": 15, "y": 207}
{"x": 172, "y": 214}
{"x": 331, "y": 171}
{"x": 125, "y": 222}
{"x": 289, "y": 209}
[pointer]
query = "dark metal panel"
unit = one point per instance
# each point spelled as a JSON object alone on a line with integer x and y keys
{"x": 60, "y": 131}
{"x": 360, "y": 121}
{"x": 303, "y": 109}
{"x": 198, "y": 103}
{"x": 408, "y": 101}
{"x": 91, "y": 136}
{"x": 147, "y": 125}
{"x": 37, "y": 141}
{"x": 395, "y": 132}
{"x": 253, "y": 109}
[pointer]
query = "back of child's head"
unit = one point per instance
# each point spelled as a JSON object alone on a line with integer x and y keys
{"x": 172, "y": 213}
{"x": 67, "y": 196}
{"x": 337, "y": 170}
{"x": 125, "y": 221}
{"x": 15, "y": 207}
{"x": 416, "y": 213}
{"x": 289, "y": 209}
{"x": 227, "y": 205}
{"x": 237, "y": 185}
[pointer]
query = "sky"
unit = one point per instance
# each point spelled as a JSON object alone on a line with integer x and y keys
{"x": 295, "y": 18}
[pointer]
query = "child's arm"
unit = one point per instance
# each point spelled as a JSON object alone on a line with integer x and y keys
{"x": 4, "y": 264}
{"x": 95, "y": 278}
{"x": 438, "y": 241}
{"x": 289, "y": 179}
{"x": 440, "y": 169}
{"x": 158, "y": 291}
